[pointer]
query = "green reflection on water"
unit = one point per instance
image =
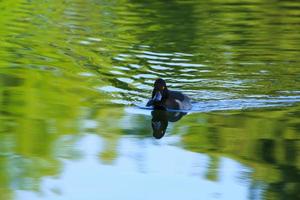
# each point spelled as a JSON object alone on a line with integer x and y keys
{"x": 68, "y": 67}
{"x": 267, "y": 142}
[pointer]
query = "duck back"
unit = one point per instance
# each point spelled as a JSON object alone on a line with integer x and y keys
{"x": 177, "y": 100}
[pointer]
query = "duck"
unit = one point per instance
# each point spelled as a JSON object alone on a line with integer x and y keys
{"x": 165, "y": 99}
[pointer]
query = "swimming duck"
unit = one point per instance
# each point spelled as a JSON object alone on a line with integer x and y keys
{"x": 163, "y": 99}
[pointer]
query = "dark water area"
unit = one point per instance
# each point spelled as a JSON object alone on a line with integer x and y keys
{"x": 75, "y": 77}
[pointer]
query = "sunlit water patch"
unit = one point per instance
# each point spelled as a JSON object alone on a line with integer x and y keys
{"x": 143, "y": 166}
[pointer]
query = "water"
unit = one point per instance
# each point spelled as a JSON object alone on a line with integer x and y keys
{"x": 75, "y": 76}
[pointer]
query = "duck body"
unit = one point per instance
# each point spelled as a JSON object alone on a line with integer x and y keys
{"x": 178, "y": 101}
{"x": 163, "y": 98}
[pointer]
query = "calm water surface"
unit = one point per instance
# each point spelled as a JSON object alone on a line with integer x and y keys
{"x": 75, "y": 76}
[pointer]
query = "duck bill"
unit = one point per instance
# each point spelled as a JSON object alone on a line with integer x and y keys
{"x": 157, "y": 97}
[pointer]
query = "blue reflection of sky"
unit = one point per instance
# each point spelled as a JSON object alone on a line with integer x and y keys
{"x": 145, "y": 169}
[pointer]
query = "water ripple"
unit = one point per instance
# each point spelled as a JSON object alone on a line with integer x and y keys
{"x": 229, "y": 55}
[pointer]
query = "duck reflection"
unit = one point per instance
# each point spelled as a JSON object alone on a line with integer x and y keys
{"x": 160, "y": 120}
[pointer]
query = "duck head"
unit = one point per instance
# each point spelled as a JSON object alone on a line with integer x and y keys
{"x": 159, "y": 94}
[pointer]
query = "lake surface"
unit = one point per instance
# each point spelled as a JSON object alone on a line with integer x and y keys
{"x": 75, "y": 76}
